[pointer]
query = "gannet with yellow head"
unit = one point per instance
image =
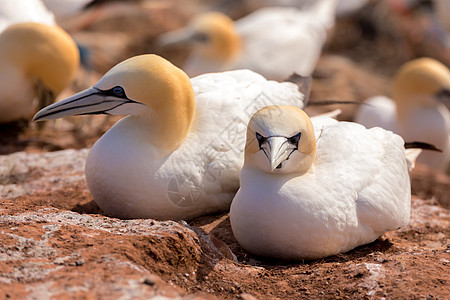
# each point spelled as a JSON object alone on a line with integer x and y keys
{"x": 214, "y": 38}
{"x": 274, "y": 41}
{"x": 315, "y": 188}
{"x": 178, "y": 153}
{"x": 420, "y": 92}
{"x": 37, "y": 62}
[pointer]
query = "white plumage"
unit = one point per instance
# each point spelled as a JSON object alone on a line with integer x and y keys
{"x": 141, "y": 168}
{"x": 278, "y": 41}
{"x": 355, "y": 188}
{"x": 416, "y": 110}
{"x": 273, "y": 41}
{"x": 19, "y": 11}
{"x": 202, "y": 175}
{"x": 344, "y": 8}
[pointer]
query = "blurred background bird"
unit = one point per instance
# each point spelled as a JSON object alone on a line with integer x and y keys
{"x": 37, "y": 62}
{"x": 272, "y": 41}
{"x": 38, "y": 59}
{"x": 417, "y": 110}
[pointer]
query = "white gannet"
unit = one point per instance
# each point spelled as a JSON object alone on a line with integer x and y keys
{"x": 20, "y": 11}
{"x": 314, "y": 189}
{"x": 178, "y": 153}
{"x": 273, "y": 41}
{"x": 415, "y": 111}
{"x": 37, "y": 62}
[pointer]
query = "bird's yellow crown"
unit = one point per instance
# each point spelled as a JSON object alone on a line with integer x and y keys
{"x": 423, "y": 76}
{"x": 166, "y": 89}
{"x": 45, "y": 53}
{"x": 224, "y": 42}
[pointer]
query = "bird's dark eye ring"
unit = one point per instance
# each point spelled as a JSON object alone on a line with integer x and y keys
{"x": 294, "y": 139}
{"x": 261, "y": 139}
{"x": 118, "y": 91}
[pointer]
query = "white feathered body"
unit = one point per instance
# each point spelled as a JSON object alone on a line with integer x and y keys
{"x": 276, "y": 42}
{"x": 378, "y": 111}
{"x": 17, "y": 99}
{"x": 19, "y": 11}
{"x": 357, "y": 189}
{"x": 129, "y": 180}
{"x": 344, "y": 8}
{"x": 421, "y": 124}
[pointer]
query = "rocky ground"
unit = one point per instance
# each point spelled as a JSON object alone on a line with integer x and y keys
{"x": 55, "y": 243}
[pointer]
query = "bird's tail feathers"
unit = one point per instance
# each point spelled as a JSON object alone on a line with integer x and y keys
{"x": 413, "y": 150}
{"x": 411, "y": 156}
{"x": 331, "y": 114}
{"x": 421, "y": 145}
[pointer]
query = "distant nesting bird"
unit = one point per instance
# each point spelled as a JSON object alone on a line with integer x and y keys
{"x": 37, "y": 62}
{"x": 314, "y": 189}
{"x": 273, "y": 41}
{"x": 21, "y": 11}
{"x": 178, "y": 153}
{"x": 420, "y": 90}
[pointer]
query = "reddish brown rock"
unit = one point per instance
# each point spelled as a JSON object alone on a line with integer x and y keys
{"x": 55, "y": 243}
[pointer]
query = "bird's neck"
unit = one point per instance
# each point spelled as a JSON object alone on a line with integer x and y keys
{"x": 224, "y": 51}
{"x": 410, "y": 104}
{"x": 166, "y": 126}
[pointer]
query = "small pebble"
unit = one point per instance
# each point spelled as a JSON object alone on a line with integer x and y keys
{"x": 149, "y": 282}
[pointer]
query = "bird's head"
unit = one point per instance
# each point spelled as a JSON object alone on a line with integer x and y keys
{"x": 280, "y": 139}
{"x": 211, "y": 34}
{"x": 420, "y": 82}
{"x": 46, "y": 55}
{"x": 147, "y": 87}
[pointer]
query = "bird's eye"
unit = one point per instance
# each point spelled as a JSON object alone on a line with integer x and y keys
{"x": 201, "y": 37}
{"x": 260, "y": 139}
{"x": 444, "y": 93}
{"x": 118, "y": 91}
{"x": 294, "y": 139}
